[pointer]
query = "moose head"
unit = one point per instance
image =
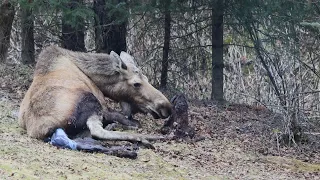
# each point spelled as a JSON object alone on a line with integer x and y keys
{"x": 123, "y": 81}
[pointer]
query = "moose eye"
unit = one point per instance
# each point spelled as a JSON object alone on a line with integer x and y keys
{"x": 137, "y": 85}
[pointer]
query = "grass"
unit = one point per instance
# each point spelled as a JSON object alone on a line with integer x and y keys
{"x": 218, "y": 157}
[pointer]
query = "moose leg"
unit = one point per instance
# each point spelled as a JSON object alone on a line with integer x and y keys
{"x": 94, "y": 124}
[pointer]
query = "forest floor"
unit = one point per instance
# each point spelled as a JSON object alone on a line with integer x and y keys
{"x": 240, "y": 143}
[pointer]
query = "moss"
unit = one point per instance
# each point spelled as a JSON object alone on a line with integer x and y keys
{"x": 156, "y": 167}
{"x": 305, "y": 167}
{"x": 8, "y": 121}
{"x": 293, "y": 164}
{"x": 46, "y": 162}
{"x": 10, "y": 169}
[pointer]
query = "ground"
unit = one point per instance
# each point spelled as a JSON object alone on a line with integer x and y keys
{"x": 240, "y": 143}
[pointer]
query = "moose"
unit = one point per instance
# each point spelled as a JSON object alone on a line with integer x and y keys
{"x": 67, "y": 97}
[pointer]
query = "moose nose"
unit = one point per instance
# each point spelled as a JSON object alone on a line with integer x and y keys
{"x": 166, "y": 111}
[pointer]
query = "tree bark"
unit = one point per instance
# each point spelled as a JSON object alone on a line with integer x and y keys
{"x": 110, "y": 35}
{"x": 27, "y": 36}
{"x": 7, "y": 12}
{"x": 73, "y": 35}
{"x": 166, "y": 45}
{"x": 217, "y": 50}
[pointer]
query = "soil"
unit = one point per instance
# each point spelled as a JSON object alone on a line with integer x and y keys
{"x": 232, "y": 142}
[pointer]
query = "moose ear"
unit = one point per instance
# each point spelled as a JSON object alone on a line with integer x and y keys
{"x": 117, "y": 57}
{"x": 127, "y": 58}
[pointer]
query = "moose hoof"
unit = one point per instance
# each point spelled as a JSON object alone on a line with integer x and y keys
{"x": 146, "y": 144}
{"x": 135, "y": 123}
{"x": 111, "y": 127}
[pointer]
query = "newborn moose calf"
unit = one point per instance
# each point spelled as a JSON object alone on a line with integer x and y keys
{"x": 67, "y": 94}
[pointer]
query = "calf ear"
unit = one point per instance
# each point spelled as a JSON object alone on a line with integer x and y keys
{"x": 119, "y": 60}
{"x": 127, "y": 58}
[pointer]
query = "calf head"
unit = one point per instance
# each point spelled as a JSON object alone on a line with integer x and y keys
{"x": 128, "y": 84}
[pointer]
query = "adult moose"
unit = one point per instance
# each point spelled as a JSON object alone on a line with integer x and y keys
{"x": 67, "y": 96}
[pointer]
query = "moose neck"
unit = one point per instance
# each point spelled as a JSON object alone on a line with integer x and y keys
{"x": 94, "y": 63}
{"x": 100, "y": 68}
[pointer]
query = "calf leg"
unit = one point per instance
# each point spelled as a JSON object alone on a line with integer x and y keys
{"x": 91, "y": 145}
{"x": 94, "y": 124}
{"x": 61, "y": 139}
{"x": 112, "y": 116}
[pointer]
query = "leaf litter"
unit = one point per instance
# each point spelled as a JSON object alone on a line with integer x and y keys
{"x": 240, "y": 142}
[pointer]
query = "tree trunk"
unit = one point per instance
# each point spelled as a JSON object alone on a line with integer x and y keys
{"x": 166, "y": 45}
{"x": 27, "y": 36}
{"x": 6, "y": 19}
{"x": 217, "y": 50}
{"x": 110, "y": 35}
{"x": 203, "y": 65}
{"x": 73, "y": 35}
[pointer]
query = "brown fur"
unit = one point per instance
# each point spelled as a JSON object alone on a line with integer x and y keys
{"x": 62, "y": 77}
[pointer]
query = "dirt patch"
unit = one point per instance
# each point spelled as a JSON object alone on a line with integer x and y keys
{"x": 240, "y": 144}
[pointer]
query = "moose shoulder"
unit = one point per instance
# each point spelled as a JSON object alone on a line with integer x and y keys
{"x": 68, "y": 91}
